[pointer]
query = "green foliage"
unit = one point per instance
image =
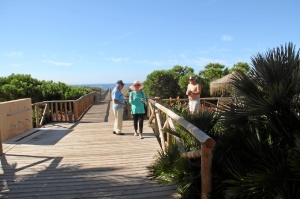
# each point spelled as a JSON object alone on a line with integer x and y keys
{"x": 213, "y": 71}
{"x": 162, "y": 83}
{"x": 173, "y": 82}
{"x": 18, "y": 86}
{"x": 168, "y": 83}
{"x": 261, "y": 136}
{"x": 258, "y": 138}
{"x": 240, "y": 67}
{"x": 181, "y": 71}
{"x": 169, "y": 167}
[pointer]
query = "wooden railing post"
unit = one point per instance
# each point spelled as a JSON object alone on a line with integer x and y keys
{"x": 206, "y": 162}
{"x": 159, "y": 129}
{"x": 37, "y": 116}
{"x": 206, "y": 147}
{"x": 1, "y": 148}
{"x": 156, "y": 129}
{"x": 52, "y": 111}
{"x": 75, "y": 103}
{"x": 169, "y": 136}
{"x": 56, "y": 111}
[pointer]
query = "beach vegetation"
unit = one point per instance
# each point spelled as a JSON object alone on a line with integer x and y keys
{"x": 173, "y": 82}
{"x": 17, "y": 86}
{"x": 258, "y": 138}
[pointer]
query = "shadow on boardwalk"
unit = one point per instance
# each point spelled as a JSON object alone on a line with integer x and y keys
{"x": 84, "y": 160}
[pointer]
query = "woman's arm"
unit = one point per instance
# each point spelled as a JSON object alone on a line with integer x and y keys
{"x": 130, "y": 97}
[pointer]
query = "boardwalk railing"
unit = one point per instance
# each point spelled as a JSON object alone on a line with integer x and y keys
{"x": 206, "y": 103}
{"x": 207, "y": 143}
{"x": 63, "y": 110}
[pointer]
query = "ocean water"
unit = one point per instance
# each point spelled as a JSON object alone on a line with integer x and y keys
{"x": 105, "y": 86}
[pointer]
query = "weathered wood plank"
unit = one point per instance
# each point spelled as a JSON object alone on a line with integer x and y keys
{"x": 81, "y": 160}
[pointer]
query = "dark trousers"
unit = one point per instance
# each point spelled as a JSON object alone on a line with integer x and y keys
{"x": 138, "y": 119}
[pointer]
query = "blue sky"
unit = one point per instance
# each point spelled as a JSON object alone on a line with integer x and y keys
{"x": 101, "y": 41}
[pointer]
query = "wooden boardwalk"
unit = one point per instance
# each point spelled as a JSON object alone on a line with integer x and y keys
{"x": 81, "y": 160}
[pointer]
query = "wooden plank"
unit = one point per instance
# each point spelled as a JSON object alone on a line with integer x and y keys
{"x": 206, "y": 162}
{"x": 56, "y": 111}
{"x": 82, "y": 160}
{"x": 52, "y": 110}
{"x": 66, "y": 111}
{"x": 61, "y": 108}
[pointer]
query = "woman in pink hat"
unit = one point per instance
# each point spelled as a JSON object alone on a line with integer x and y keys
{"x": 137, "y": 99}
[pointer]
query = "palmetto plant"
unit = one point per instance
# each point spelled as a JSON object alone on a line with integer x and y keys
{"x": 258, "y": 137}
{"x": 170, "y": 167}
{"x": 262, "y": 128}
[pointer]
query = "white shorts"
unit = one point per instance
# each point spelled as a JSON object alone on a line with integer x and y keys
{"x": 194, "y": 105}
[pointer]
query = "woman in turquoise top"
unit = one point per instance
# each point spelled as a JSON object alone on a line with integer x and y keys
{"x": 137, "y": 99}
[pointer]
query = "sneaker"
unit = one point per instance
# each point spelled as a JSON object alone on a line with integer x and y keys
{"x": 135, "y": 134}
{"x": 119, "y": 133}
{"x": 114, "y": 132}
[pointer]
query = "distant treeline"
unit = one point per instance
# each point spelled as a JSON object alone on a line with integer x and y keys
{"x": 17, "y": 86}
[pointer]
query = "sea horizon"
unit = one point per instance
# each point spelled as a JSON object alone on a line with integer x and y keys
{"x": 104, "y": 86}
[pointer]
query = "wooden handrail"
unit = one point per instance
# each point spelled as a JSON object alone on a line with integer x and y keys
{"x": 63, "y": 110}
{"x": 196, "y": 132}
{"x": 207, "y": 143}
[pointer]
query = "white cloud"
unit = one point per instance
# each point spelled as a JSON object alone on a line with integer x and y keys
{"x": 56, "y": 63}
{"x": 16, "y": 65}
{"x": 119, "y": 59}
{"x": 13, "y": 54}
{"x": 121, "y": 37}
{"x": 182, "y": 55}
{"x": 169, "y": 62}
{"x": 202, "y": 61}
{"x": 226, "y": 38}
{"x": 208, "y": 50}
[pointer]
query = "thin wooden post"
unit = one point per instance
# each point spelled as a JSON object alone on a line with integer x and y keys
{"x": 206, "y": 162}
{"x": 148, "y": 111}
{"x": 37, "y": 116}
{"x": 177, "y": 139}
{"x": 47, "y": 110}
{"x": 158, "y": 124}
{"x": 156, "y": 130}
{"x": 151, "y": 113}
{"x": 1, "y": 148}
{"x": 56, "y": 111}
{"x": 52, "y": 110}
{"x": 66, "y": 111}
{"x": 169, "y": 136}
{"x": 75, "y": 103}
{"x": 43, "y": 116}
{"x": 70, "y": 109}
{"x": 82, "y": 104}
{"x": 61, "y": 111}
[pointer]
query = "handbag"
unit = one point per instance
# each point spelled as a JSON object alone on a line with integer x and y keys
{"x": 145, "y": 105}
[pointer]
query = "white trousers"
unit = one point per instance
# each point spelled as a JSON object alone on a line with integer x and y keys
{"x": 194, "y": 105}
{"x": 118, "y": 113}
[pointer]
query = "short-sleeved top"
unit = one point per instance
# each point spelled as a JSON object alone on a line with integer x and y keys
{"x": 116, "y": 94}
{"x": 137, "y": 105}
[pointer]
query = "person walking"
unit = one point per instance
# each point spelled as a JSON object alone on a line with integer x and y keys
{"x": 118, "y": 104}
{"x": 193, "y": 92}
{"x": 137, "y": 100}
